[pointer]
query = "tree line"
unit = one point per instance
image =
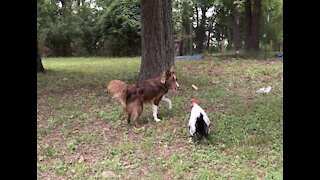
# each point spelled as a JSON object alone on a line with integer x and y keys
{"x": 113, "y": 27}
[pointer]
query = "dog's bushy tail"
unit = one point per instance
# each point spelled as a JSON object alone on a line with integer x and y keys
{"x": 118, "y": 89}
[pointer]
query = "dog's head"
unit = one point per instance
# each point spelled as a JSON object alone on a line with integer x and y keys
{"x": 169, "y": 78}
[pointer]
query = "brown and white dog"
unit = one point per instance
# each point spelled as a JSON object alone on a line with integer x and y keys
{"x": 132, "y": 97}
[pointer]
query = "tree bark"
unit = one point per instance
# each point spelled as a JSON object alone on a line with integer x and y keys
{"x": 248, "y": 22}
{"x": 236, "y": 30}
{"x": 157, "y": 38}
{"x": 255, "y": 28}
{"x": 39, "y": 62}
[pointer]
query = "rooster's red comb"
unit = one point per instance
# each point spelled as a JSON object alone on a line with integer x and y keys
{"x": 194, "y": 100}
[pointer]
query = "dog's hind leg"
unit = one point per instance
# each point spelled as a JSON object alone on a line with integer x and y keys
{"x": 128, "y": 119}
{"x": 136, "y": 119}
{"x": 168, "y": 101}
{"x": 137, "y": 111}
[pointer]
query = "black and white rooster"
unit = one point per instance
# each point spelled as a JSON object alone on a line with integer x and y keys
{"x": 199, "y": 123}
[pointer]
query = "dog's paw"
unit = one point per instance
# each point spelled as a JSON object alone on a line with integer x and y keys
{"x": 170, "y": 107}
{"x": 157, "y": 119}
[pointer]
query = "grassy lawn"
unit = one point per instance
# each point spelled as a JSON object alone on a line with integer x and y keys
{"x": 83, "y": 134}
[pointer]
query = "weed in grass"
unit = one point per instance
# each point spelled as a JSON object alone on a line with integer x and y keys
{"x": 81, "y": 168}
{"x": 49, "y": 150}
{"x": 60, "y": 168}
{"x": 72, "y": 145}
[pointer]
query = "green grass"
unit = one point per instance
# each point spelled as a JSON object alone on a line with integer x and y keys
{"x": 83, "y": 134}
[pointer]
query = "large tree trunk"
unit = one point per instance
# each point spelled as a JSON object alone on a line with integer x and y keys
{"x": 255, "y": 28}
{"x": 248, "y": 22}
{"x": 236, "y": 30}
{"x": 39, "y": 62}
{"x": 157, "y": 38}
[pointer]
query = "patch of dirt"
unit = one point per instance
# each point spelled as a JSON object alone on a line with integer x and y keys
{"x": 192, "y": 69}
{"x": 215, "y": 71}
{"x": 215, "y": 108}
{"x": 225, "y": 168}
{"x": 168, "y": 175}
{"x": 144, "y": 169}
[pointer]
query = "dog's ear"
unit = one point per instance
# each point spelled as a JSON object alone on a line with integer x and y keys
{"x": 163, "y": 77}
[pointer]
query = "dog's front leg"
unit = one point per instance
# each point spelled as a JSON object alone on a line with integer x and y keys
{"x": 168, "y": 101}
{"x": 155, "y": 112}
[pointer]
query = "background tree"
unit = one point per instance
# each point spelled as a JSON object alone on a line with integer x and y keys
{"x": 157, "y": 38}
{"x": 252, "y": 19}
{"x": 183, "y": 23}
{"x": 89, "y": 28}
{"x": 113, "y": 27}
{"x": 236, "y": 26}
{"x": 201, "y": 8}
{"x": 39, "y": 62}
{"x": 255, "y": 28}
{"x": 274, "y": 28}
{"x": 120, "y": 27}
{"x": 224, "y": 22}
{"x": 248, "y": 24}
